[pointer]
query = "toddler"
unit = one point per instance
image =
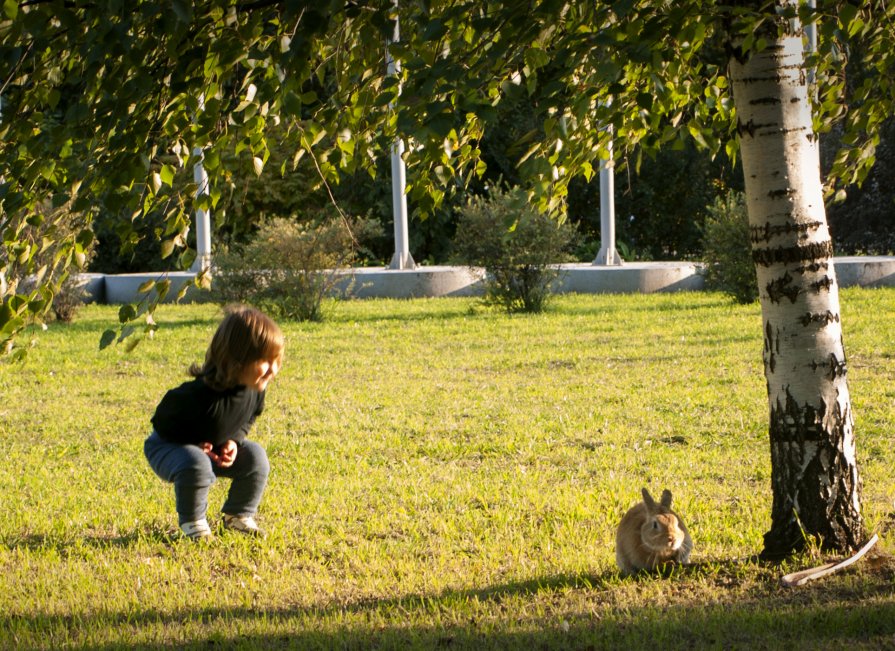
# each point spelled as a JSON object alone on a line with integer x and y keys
{"x": 200, "y": 428}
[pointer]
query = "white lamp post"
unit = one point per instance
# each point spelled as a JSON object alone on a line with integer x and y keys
{"x": 607, "y": 256}
{"x": 402, "y": 258}
{"x": 203, "y": 217}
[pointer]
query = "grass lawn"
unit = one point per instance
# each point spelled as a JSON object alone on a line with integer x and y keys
{"x": 443, "y": 476}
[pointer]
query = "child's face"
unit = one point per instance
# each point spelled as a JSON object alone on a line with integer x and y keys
{"x": 257, "y": 374}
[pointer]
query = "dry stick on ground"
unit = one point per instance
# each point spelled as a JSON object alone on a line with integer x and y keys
{"x": 801, "y": 578}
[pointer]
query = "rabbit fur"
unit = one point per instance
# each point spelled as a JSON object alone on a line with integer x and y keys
{"x": 650, "y": 535}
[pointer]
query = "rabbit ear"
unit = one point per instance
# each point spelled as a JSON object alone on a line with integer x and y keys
{"x": 648, "y": 500}
{"x": 666, "y": 499}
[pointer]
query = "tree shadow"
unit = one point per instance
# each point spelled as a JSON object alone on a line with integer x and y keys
{"x": 768, "y": 616}
{"x": 669, "y": 302}
{"x": 62, "y": 544}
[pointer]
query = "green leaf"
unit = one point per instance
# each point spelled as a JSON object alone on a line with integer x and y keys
{"x": 186, "y": 259}
{"x": 127, "y": 313}
{"x": 435, "y": 29}
{"x": 211, "y": 159}
{"x": 167, "y": 248}
{"x": 162, "y": 288}
{"x": 167, "y": 174}
{"x": 11, "y": 8}
{"x": 126, "y": 332}
{"x": 731, "y": 148}
{"x": 847, "y": 14}
{"x": 292, "y": 103}
{"x": 536, "y": 58}
{"x": 106, "y": 339}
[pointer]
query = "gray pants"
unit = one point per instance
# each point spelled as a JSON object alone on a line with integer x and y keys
{"x": 193, "y": 473}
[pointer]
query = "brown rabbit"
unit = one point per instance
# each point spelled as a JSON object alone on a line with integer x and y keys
{"x": 651, "y": 535}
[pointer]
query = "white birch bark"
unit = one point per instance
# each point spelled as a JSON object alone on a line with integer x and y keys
{"x": 815, "y": 477}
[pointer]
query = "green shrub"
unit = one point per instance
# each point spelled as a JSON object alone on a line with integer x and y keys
{"x": 68, "y": 301}
{"x": 50, "y": 246}
{"x": 727, "y": 249}
{"x": 289, "y": 267}
{"x": 517, "y": 245}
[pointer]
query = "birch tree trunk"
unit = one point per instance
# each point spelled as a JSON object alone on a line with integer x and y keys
{"x": 814, "y": 473}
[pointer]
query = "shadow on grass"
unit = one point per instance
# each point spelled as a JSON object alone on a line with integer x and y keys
{"x": 98, "y": 325}
{"x": 593, "y": 617}
{"x": 621, "y": 304}
{"x": 63, "y": 544}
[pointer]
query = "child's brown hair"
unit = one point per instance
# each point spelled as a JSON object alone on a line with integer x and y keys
{"x": 245, "y": 335}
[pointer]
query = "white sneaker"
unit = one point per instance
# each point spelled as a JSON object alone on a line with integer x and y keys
{"x": 243, "y": 524}
{"x": 196, "y": 530}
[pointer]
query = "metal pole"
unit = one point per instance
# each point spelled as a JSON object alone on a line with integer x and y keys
{"x": 402, "y": 258}
{"x": 811, "y": 34}
{"x": 607, "y": 255}
{"x": 203, "y": 217}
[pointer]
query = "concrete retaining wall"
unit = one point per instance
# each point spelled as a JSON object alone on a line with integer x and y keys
{"x": 379, "y": 282}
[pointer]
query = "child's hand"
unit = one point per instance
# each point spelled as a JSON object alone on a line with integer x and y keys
{"x": 227, "y": 454}
{"x": 223, "y": 456}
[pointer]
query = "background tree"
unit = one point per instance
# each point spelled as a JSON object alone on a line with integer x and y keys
{"x": 99, "y": 97}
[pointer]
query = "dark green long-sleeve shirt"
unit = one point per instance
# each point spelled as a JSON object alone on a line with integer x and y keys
{"x": 194, "y": 413}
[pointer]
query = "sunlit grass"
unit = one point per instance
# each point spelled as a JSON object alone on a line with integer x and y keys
{"x": 443, "y": 475}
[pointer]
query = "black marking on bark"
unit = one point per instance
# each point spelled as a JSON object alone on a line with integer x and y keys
{"x": 825, "y": 283}
{"x": 816, "y": 494}
{"x": 783, "y": 192}
{"x": 836, "y": 368}
{"x": 782, "y": 288}
{"x": 764, "y": 233}
{"x": 794, "y": 423}
{"x": 823, "y": 318}
{"x": 765, "y": 101}
{"x": 792, "y": 254}
{"x": 750, "y": 127}
{"x": 777, "y": 131}
{"x": 814, "y": 267}
{"x": 758, "y": 80}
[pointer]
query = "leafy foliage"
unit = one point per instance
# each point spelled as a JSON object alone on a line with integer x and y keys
{"x": 728, "y": 254}
{"x": 662, "y": 207}
{"x": 855, "y": 69}
{"x": 108, "y": 104}
{"x": 288, "y": 268}
{"x": 39, "y": 251}
{"x": 861, "y": 224}
{"x": 516, "y": 244}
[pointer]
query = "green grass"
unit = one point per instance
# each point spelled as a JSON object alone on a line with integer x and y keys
{"x": 444, "y": 476}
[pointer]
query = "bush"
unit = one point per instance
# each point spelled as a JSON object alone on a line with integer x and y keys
{"x": 47, "y": 247}
{"x": 289, "y": 267}
{"x": 517, "y": 246}
{"x": 69, "y": 299}
{"x": 727, "y": 249}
